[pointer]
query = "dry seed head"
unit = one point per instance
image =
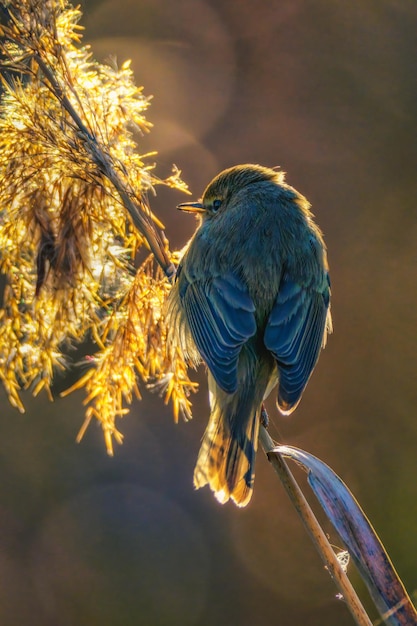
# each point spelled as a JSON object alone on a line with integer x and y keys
{"x": 68, "y": 164}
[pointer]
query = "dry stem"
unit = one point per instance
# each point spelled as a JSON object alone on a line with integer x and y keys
{"x": 314, "y": 529}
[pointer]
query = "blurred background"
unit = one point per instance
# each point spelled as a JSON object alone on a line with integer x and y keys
{"x": 327, "y": 91}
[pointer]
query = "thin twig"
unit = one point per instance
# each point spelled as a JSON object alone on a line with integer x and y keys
{"x": 314, "y": 529}
{"x": 104, "y": 162}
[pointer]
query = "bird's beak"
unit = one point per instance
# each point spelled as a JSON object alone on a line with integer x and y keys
{"x": 192, "y": 207}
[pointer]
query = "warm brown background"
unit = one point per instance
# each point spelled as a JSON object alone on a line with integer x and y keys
{"x": 326, "y": 90}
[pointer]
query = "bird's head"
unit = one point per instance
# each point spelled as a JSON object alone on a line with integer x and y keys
{"x": 223, "y": 186}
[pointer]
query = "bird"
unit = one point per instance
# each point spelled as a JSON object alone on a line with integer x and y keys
{"x": 251, "y": 299}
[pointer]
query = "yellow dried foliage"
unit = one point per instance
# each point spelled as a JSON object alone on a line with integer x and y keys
{"x": 73, "y": 215}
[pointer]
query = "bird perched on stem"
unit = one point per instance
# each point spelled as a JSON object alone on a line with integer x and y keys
{"x": 251, "y": 299}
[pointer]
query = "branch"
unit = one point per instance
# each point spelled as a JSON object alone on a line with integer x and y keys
{"x": 105, "y": 164}
{"x": 314, "y": 529}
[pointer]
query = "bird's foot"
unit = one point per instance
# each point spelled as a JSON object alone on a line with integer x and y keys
{"x": 264, "y": 417}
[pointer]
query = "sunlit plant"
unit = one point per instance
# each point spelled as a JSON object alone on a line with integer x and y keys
{"x": 73, "y": 216}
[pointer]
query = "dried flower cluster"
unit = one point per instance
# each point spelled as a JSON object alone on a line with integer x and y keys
{"x": 73, "y": 214}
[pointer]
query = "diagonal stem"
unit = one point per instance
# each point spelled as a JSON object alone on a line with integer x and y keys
{"x": 105, "y": 164}
{"x": 314, "y": 529}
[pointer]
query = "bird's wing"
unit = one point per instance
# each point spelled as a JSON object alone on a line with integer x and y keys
{"x": 295, "y": 333}
{"x": 220, "y": 314}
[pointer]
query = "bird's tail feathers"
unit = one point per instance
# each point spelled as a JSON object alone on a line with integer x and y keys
{"x": 226, "y": 461}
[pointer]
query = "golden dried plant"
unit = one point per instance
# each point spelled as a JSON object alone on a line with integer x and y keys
{"x": 73, "y": 215}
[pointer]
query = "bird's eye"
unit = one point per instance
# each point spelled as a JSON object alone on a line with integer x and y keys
{"x": 216, "y": 205}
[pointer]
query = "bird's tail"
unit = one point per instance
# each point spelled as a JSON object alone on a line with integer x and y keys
{"x": 226, "y": 461}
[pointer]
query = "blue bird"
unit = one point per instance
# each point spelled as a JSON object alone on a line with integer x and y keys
{"x": 252, "y": 300}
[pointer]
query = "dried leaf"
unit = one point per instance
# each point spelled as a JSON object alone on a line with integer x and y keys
{"x": 359, "y": 537}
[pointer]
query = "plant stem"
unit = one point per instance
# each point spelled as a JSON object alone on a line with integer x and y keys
{"x": 105, "y": 163}
{"x": 314, "y": 529}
